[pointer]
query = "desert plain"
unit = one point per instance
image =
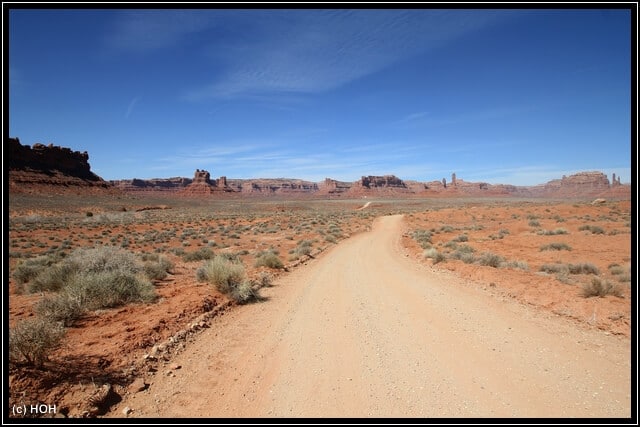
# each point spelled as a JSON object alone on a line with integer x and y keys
{"x": 415, "y": 307}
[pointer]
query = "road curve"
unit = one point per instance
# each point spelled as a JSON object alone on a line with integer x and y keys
{"x": 363, "y": 331}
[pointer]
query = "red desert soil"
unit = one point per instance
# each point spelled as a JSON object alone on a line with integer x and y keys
{"x": 407, "y": 323}
{"x": 365, "y": 331}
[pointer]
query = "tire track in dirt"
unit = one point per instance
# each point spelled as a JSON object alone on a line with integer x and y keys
{"x": 362, "y": 331}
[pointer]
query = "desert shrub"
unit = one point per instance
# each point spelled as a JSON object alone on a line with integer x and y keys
{"x": 520, "y": 265}
{"x": 461, "y": 238}
{"x": 555, "y": 268}
{"x": 32, "y": 340}
{"x": 555, "y": 247}
{"x": 446, "y": 229}
{"x": 553, "y": 232}
{"x": 107, "y": 289}
{"x": 52, "y": 278}
{"x": 304, "y": 247}
{"x": 198, "y": 255}
{"x": 600, "y": 288}
{"x": 330, "y": 238}
{"x": 269, "y": 259}
{"x": 490, "y": 259}
{"x": 583, "y": 268}
{"x": 594, "y": 229}
{"x": 616, "y": 269}
{"x": 434, "y": 255}
{"x": 104, "y": 259}
{"x": 534, "y": 223}
{"x": 158, "y": 269}
{"x": 423, "y": 237}
{"x": 439, "y": 257}
{"x": 60, "y": 308}
{"x": 28, "y": 269}
{"x": 229, "y": 278}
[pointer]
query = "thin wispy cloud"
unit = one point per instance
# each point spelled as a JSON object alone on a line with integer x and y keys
{"x": 148, "y": 30}
{"x": 315, "y": 51}
{"x": 132, "y": 104}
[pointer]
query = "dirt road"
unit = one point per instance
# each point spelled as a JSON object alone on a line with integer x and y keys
{"x": 363, "y": 331}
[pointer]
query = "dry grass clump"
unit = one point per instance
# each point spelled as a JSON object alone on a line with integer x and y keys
{"x": 31, "y": 340}
{"x": 228, "y": 277}
{"x": 601, "y": 288}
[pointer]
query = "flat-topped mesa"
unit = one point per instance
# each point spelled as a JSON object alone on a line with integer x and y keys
{"x": 151, "y": 185}
{"x": 385, "y": 181}
{"x": 332, "y": 186}
{"x": 273, "y": 186}
{"x": 50, "y": 169}
{"x": 582, "y": 183}
{"x": 49, "y": 158}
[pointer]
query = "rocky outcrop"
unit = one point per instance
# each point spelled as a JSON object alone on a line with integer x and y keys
{"x": 136, "y": 185}
{"x": 47, "y": 168}
{"x": 332, "y": 187}
{"x": 201, "y": 184}
{"x": 584, "y": 184}
{"x": 273, "y": 186}
{"x": 580, "y": 184}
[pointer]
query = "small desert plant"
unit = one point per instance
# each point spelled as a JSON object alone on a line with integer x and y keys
{"x": 107, "y": 289}
{"x": 594, "y": 229}
{"x": 555, "y": 247}
{"x": 490, "y": 259}
{"x": 198, "y": 255}
{"x": 229, "y": 278}
{"x": 158, "y": 269}
{"x": 600, "y": 288}
{"x": 28, "y": 269}
{"x": 553, "y": 232}
{"x": 583, "y": 268}
{"x": 534, "y": 223}
{"x": 461, "y": 238}
{"x": 423, "y": 237}
{"x": 520, "y": 265}
{"x": 269, "y": 259}
{"x": 52, "y": 278}
{"x": 32, "y": 340}
{"x": 555, "y": 268}
{"x": 63, "y": 307}
{"x": 616, "y": 269}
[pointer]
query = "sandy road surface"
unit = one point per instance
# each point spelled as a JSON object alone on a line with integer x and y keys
{"x": 362, "y": 331}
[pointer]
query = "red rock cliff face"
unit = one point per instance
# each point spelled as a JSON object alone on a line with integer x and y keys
{"x": 42, "y": 168}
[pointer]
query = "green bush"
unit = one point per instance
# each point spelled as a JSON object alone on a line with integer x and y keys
{"x": 32, "y": 340}
{"x": 600, "y": 288}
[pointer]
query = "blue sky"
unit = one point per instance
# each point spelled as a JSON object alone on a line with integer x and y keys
{"x": 501, "y": 96}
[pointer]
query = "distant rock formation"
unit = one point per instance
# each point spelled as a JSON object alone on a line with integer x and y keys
{"x": 43, "y": 168}
{"x": 201, "y": 184}
{"x": 584, "y": 184}
{"x": 332, "y": 187}
{"x": 273, "y": 186}
{"x": 152, "y": 185}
